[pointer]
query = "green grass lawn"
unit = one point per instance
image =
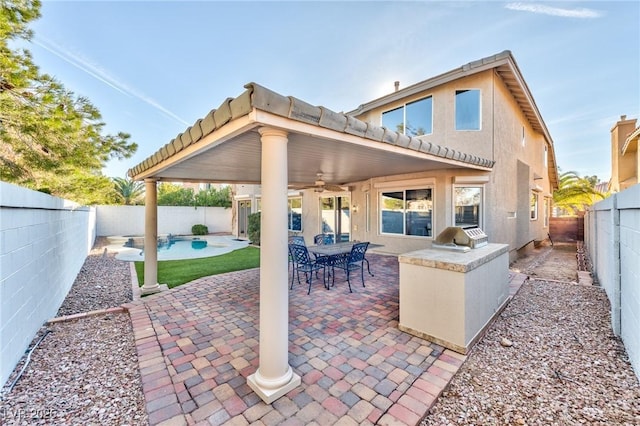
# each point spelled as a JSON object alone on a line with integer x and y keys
{"x": 177, "y": 272}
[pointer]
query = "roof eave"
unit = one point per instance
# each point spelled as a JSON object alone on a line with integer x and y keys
{"x": 154, "y": 165}
{"x": 523, "y": 95}
{"x": 634, "y": 136}
{"x": 468, "y": 69}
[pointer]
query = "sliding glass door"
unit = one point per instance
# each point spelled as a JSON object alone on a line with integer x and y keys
{"x": 335, "y": 213}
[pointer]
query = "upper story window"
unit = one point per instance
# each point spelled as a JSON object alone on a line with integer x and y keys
{"x": 412, "y": 119}
{"x": 407, "y": 212}
{"x": 546, "y": 156}
{"x": 468, "y": 109}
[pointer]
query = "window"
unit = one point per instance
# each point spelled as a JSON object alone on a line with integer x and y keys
{"x": 412, "y": 119}
{"x": 523, "y": 138}
{"x": 545, "y": 159}
{"x": 534, "y": 206}
{"x": 295, "y": 214}
{"x": 407, "y": 212}
{"x": 467, "y": 206}
{"x": 468, "y": 109}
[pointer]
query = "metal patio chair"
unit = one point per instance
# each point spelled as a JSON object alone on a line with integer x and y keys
{"x": 350, "y": 262}
{"x": 323, "y": 239}
{"x": 302, "y": 262}
{"x": 295, "y": 239}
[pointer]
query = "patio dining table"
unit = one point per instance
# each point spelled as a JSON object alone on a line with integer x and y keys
{"x": 332, "y": 249}
{"x": 337, "y": 249}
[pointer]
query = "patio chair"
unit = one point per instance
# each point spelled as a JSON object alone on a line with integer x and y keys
{"x": 295, "y": 239}
{"x": 351, "y": 261}
{"x": 323, "y": 239}
{"x": 303, "y": 262}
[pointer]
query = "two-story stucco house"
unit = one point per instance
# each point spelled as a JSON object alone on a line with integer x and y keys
{"x": 483, "y": 109}
{"x": 468, "y": 147}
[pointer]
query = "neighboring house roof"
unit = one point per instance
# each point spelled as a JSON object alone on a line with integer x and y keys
{"x": 631, "y": 143}
{"x": 243, "y": 112}
{"x": 505, "y": 66}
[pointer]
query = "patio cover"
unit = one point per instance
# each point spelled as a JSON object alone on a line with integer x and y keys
{"x": 224, "y": 146}
{"x": 265, "y": 138}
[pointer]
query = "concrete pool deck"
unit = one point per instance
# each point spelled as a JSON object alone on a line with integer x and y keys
{"x": 216, "y": 245}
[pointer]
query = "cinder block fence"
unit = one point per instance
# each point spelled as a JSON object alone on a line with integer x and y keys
{"x": 612, "y": 237}
{"x": 43, "y": 243}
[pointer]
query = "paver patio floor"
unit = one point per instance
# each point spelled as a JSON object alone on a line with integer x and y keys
{"x": 198, "y": 343}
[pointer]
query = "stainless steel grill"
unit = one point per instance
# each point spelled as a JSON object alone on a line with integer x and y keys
{"x": 460, "y": 239}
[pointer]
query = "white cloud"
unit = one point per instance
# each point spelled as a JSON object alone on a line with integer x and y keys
{"x": 101, "y": 75}
{"x": 581, "y": 13}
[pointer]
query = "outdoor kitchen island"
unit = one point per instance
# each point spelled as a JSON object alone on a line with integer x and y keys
{"x": 449, "y": 296}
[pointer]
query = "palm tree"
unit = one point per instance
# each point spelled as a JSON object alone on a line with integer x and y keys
{"x": 129, "y": 191}
{"x": 576, "y": 193}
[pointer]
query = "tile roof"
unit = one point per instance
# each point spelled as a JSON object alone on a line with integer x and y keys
{"x": 261, "y": 98}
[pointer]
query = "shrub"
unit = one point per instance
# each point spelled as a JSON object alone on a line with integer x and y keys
{"x": 199, "y": 230}
{"x": 254, "y": 228}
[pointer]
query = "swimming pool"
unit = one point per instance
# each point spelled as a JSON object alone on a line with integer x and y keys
{"x": 185, "y": 247}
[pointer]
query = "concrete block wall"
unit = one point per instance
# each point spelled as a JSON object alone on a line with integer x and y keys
{"x": 43, "y": 244}
{"x": 629, "y": 207}
{"x": 612, "y": 237}
{"x": 129, "y": 220}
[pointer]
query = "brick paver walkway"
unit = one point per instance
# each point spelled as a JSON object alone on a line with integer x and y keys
{"x": 198, "y": 343}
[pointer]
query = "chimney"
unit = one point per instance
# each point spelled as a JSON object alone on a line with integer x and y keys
{"x": 396, "y": 84}
{"x": 622, "y": 117}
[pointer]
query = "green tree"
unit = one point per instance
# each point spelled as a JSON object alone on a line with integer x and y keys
{"x": 175, "y": 195}
{"x": 170, "y": 194}
{"x": 128, "y": 191}
{"x": 52, "y": 140}
{"x": 576, "y": 193}
{"x": 213, "y": 197}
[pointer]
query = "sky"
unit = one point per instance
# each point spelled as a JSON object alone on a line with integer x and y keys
{"x": 154, "y": 68}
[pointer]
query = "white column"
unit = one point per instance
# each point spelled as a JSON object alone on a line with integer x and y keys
{"x": 274, "y": 376}
{"x": 150, "y": 238}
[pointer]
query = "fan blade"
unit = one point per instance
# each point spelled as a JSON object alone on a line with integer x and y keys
{"x": 334, "y": 188}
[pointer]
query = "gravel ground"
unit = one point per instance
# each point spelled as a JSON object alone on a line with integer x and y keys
{"x": 563, "y": 365}
{"x": 83, "y": 372}
{"x": 103, "y": 282}
{"x": 550, "y": 358}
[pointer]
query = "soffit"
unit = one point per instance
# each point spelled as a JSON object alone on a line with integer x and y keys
{"x": 238, "y": 160}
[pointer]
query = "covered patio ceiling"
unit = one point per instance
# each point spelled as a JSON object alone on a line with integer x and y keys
{"x": 266, "y": 138}
{"x": 225, "y": 146}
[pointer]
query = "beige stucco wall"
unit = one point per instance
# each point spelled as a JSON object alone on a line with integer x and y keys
{"x": 476, "y": 142}
{"x": 519, "y": 166}
{"x": 518, "y": 169}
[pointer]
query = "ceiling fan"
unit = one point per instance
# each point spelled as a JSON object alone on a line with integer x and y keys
{"x": 320, "y": 185}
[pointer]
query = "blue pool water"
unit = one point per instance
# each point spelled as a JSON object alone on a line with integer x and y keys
{"x": 130, "y": 248}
